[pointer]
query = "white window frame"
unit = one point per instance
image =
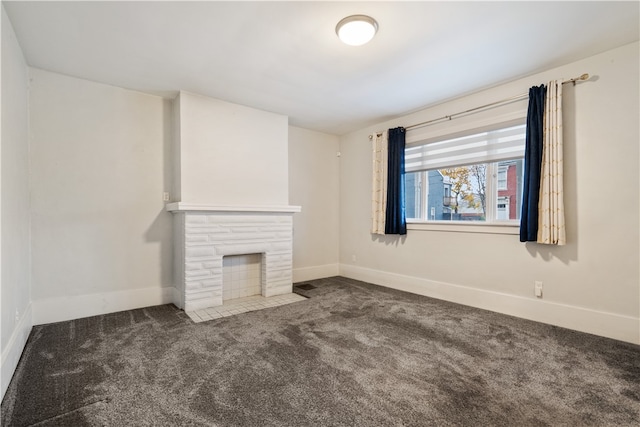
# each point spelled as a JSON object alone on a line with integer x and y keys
{"x": 494, "y": 226}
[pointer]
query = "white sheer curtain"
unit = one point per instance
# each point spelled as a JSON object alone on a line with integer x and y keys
{"x": 379, "y": 183}
{"x": 551, "y": 226}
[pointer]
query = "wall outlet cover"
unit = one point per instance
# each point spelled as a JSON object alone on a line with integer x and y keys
{"x": 538, "y": 289}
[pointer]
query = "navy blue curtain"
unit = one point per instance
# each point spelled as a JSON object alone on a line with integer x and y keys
{"x": 532, "y": 164}
{"x": 395, "y": 220}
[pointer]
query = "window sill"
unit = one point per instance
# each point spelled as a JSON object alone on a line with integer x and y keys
{"x": 465, "y": 227}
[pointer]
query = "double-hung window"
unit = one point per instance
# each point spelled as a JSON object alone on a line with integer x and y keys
{"x": 476, "y": 176}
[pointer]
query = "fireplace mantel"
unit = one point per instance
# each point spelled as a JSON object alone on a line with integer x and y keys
{"x": 200, "y": 207}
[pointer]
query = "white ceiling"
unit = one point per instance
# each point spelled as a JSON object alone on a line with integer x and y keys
{"x": 284, "y": 57}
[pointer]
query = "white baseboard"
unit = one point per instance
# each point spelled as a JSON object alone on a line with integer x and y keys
{"x": 315, "y": 272}
{"x": 611, "y": 325}
{"x": 75, "y": 307}
{"x": 12, "y": 352}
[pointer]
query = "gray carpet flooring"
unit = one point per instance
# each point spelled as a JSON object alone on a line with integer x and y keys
{"x": 353, "y": 354}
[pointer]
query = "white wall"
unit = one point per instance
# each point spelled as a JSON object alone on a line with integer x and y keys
{"x": 15, "y": 292}
{"x": 314, "y": 170}
{"x": 100, "y": 161}
{"x": 592, "y": 283}
{"x": 230, "y": 154}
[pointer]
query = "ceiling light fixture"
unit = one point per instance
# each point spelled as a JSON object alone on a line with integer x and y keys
{"x": 356, "y": 30}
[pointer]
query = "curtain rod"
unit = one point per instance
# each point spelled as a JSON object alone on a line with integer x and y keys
{"x": 482, "y": 107}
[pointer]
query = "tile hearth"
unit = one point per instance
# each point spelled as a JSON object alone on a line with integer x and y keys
{"x": 242, "y": 305}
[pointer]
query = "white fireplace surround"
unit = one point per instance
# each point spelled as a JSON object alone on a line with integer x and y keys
{"x": 205, "y": 233}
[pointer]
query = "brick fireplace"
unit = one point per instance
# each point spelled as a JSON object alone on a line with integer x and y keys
{"x": 205, "y": 234}
{"x": 230, "y": 187}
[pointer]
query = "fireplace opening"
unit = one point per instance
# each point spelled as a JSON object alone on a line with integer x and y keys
{"x": 242, "y": 276}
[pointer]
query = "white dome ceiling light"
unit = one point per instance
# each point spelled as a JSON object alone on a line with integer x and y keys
{"x": 356, "y": 30}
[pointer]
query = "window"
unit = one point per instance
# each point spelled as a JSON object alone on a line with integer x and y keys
{"x": 476, "y": 177}
{"x": 502, "y": 178}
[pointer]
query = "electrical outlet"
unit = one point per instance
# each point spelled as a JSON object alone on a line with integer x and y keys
{"x": 354, "y": 258}
{"x": 538, "y": 288}
{"x": 17, "y": 316}
{"x": 165, "y": 196}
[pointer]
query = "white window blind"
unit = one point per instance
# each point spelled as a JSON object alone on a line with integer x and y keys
{"x": 490, "y": 146}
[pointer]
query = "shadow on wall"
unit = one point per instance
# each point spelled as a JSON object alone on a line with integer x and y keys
{"x": 161, "y": 231}
{"x": 389, "y": 239}
{"x": 565, "y": 254}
